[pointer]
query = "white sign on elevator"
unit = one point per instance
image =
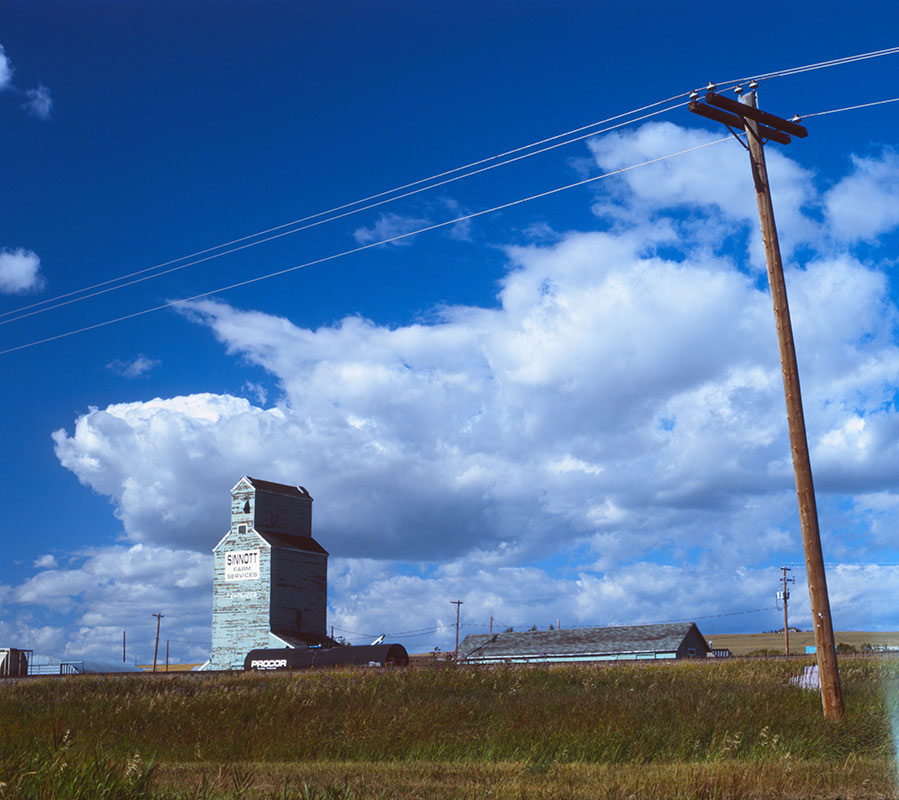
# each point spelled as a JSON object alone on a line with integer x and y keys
{"x": 242, "y": 565}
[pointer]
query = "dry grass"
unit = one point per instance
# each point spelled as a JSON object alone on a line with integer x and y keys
{"x": 685, "y": 730}
{"x": 727, "y": 780}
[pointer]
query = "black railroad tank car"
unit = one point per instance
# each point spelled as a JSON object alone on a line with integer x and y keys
{"x": 370, "y": 655}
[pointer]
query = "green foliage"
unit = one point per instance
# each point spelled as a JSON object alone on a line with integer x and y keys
{"x": 61, "y": 770}
{"x": 844, "y": 649}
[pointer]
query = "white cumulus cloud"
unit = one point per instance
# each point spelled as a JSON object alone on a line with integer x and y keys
{"x": 133, "y": 368}
{"x": 610, "y": 391}
{"x": 388, "y": 226}
{"x": 114, "y": 588}
{"x": 714, "y": 183}
{"x": 5, "y": 69}
{"x": 865, "y": 204}
{"x": 19, "y": 271}
{"x": 617, "y": 419}
{"x": 38, "y": 102}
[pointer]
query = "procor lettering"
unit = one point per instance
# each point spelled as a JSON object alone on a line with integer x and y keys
{"x": 269, "y": 663}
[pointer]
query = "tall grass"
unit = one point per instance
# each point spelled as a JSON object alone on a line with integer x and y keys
{"x": 539, "y": 718}
{"x": 57, "y": 769}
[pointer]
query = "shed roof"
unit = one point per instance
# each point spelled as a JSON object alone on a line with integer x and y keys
{"x": 279, "y": 488}
{"x": 305, "y": 543}
{"x": 665, "y": 637}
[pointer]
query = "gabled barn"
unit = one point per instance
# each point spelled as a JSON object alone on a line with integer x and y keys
{"x": 270, "y": 585}
{"x": 631, "y": 642}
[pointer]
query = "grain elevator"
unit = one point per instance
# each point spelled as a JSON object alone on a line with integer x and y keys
{"x": 270, "y": 576}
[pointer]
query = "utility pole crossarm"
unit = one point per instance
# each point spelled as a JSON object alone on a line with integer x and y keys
{"x": 746, "y": 111}
{"x": 734, "y": 121}
{"x": 735, "y": 114}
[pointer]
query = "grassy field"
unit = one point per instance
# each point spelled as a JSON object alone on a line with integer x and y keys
{"x": 741, "y": 644}
{"x": 661, "y": 731}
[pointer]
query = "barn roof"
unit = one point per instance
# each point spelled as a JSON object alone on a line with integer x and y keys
{"x": 661, "y": 638}
{"x": 305, "y": 543}
{"x": 279, "y": 488}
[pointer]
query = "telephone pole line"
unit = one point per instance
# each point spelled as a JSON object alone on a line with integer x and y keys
{"x": 458, "y": 605}
{"x": 759, "y": 124}
{"x": 156, "y": 648}
{"x": 785, "y": 596}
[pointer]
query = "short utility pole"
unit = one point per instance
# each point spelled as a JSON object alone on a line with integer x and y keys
{"x": 785, "y": 596}
{"x": 156, "y": 648}
{"x": 760, "y": 125}
{"x": 458, "y": 605}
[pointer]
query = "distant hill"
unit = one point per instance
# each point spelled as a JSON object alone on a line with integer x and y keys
{"x": 741, "y": 644}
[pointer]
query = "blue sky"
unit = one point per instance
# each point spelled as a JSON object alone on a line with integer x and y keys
{"x": 569, "y": 409}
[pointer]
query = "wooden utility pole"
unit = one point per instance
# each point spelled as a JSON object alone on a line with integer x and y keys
{"x": 156, "y": 647}
{"x": 123, "y": 647}
{"x": 458, "y": 605}
{"x": 758, "y": 125}
{"x": 825, "y": 647}
{"x": 785, "y": 596}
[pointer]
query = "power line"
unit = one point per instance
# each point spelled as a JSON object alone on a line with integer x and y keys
{"x": 657, "y": 622}
{"x": 834, "y": 62}
{"x": 354, "y": 633}
{"x": 69, "y": 297}
{"x": 851, "y": 108}
{"x": 65, "y": 302}
{"x": 360, "y": 202}
{"x": 334, "y": 256}
{"x": 414, "y": 632}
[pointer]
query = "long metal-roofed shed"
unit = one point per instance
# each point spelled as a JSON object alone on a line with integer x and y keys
{"x": 624, "y": 643}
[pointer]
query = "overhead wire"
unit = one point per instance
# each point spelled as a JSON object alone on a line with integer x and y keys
{"x": 658, "y": 622}
{"x": 52, "y": 302}
{"x": 850, "y": 108}
{"x": 65, "y": 302}
{"x": 384, "y": 197}
{"x": 411, "y": 634}
{"x": 124, "y": 280}
{"x": 834, "y": 62}
{"x": 345, "y": 206}
{"x": 361, "y": 248}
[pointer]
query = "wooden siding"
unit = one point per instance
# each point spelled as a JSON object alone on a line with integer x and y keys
{"x": 292, "y": 515}
{"x": 299, "y": 583}
{"x": 240, "y": 608}
{"x": 694, "y": 645}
